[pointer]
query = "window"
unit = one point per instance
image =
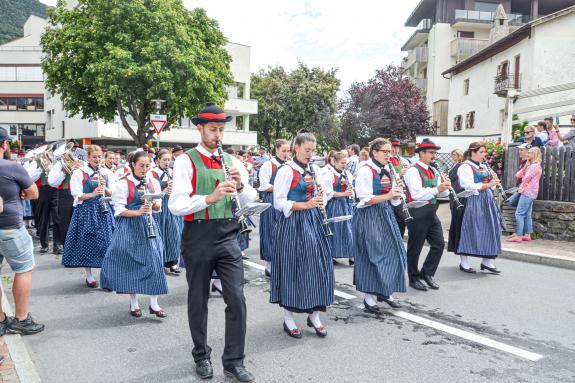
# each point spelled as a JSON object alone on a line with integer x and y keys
{"x": 241, "y": 89}
{"x": 22, "y": 104}
{"x": 21, "y": 73}
{"x": 466, "y": 87}
{"x": 466, "y": 34}
{"x": 240, "y": 123}
{"x": 470, "y": 120}
{"x": 457, "y": 122}
{"x": 503, "y": 70}
{"x": 32, "y": 129}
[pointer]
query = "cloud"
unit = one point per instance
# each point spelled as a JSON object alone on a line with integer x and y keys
{"x": 357, "y": 37}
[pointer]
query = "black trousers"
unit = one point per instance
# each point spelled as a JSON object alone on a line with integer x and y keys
{"x": 47, "y": 207}
{"x": 206, "y": 246}
{"x": 65, "y": 211}
{"x": 399, "y": 217}
{"x": 425, "y": 226}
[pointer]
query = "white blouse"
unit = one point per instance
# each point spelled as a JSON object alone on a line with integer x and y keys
{"x": 76, "y": 182}
{"x": 283, "y": 181}
{"x": 364, "y": 185}
{"x": 465, "y": 175}
{"x": 183, "y": 202}
{"x": 412, "y": 180}
{"x": 56, "y": 175}
{"x": 265, "y": 174}
{"x": 120, "y": 193}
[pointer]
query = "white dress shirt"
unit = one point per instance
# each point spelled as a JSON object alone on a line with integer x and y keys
{"x": 412, "y": 180}
{"x": 364, "y": 184}
{"x": 182, "y": 200}
{"x": 283, "y": 181}
{"x": 34, "y": 171}
{"x": 56, "y": 175}
{"x": 265, "y": 174}
{"x": 120, "y": 193}
{"x": 77, "y": 187}
{"x": 465, "y": 175}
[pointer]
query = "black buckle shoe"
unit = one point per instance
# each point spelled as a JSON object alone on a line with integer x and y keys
{"x": 372, "y": 309}
{"x": 490, "y": 269}
{"x": 418, "y": 285}
{"x": 204, "y": 369}
{"x": 44, "y": 250}
{"x": 240, "y": 374}
{"x": 295, "y": 333}
{"x": 320, "y": 331}
{"x": 24, "y": 327}
{"x": 392, "y": 303}
{"x": 470, "y": 270}
{"x": 430, "y": 282}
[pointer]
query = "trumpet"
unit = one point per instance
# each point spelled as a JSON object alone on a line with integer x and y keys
{"x": 406, "y": 215}
{"x": 236, "y": 205}
{"x": 493, "y": 175}
{"x": 103, "y": 203}
{"x": 443, "y": 178}
{"x": 143, "y": 189}
{"x": 325, "y": 222}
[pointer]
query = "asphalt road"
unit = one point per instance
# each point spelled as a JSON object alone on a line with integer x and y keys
{"x": 90, "y": 336}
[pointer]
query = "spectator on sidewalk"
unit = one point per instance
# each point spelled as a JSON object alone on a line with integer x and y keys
{"x": 528, "y": 190}
{"x": 555, "y": 139}
{"x": 543, "y": 134}
{"x": 569, "y": 138}
{"x": 15, "y": 242}
{"x": 530, "y": 138}
{"x": 523, "y": 154}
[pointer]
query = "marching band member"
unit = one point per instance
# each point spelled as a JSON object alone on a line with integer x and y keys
{"x": 423, "y": 184}
{"x": 60, "y": 179}
{"x": 91, "y": 228}
{"x": 400, "y": 165}
{"x": 203, "y": 195}
{"x": 117, "y": 159}
{"x": 341, "y": 204}
{"x": 380, "y": 258}
{"x": 124, "y": 170}
{"x": 134, "y": 263}
{"x": 302, "y": 279}
{"x": 268, "y": 218}
{"x": 481, "y": 225}
{"x": 109, "y": 159}
{"x": 171, "y": 226}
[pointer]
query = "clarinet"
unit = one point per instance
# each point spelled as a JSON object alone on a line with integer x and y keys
{"x": 149, "y": 219}
{"x": 236, "y": 205}
{"x": 407, "y": 216}
{"x": 458, "y": 204}
{"x": 103, "y": 204}
{"x": 349, "y": 184}
{"x": 492, "y": 176}
{"x": 325, "y": 223}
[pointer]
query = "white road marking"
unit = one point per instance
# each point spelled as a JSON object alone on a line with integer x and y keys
{"x": 441, "y": 327}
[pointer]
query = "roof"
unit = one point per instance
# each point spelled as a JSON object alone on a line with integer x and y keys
{"x": 421, "y": 10}
{"x": 508, "y": 41}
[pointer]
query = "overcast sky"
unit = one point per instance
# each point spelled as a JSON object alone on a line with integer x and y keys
{"x": 356, "y": 37}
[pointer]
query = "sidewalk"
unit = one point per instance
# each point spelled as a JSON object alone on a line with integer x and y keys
{"x": 545, "y": 252}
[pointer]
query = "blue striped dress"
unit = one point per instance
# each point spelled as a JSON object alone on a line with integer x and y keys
{"x": 133, "y": 263}
{"x": 302, "y": 269}
{"x": 482, "y": 223}
{"x": 380, "y": 256}
{"x": 170, "y": 226}
{"x": 342, "y": 239}
{"x": 269, "y": 217}
{"x": 90, "y": 232}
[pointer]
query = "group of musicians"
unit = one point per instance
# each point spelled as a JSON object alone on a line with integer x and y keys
{"x": 143, "y": 220}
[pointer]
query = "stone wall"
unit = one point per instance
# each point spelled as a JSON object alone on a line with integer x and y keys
{"x": 551, "y": 220}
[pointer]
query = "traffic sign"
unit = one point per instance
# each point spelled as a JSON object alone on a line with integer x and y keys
{"x": 158, "y": 121}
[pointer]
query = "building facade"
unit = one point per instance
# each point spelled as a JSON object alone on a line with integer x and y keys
{"x": 529, "y": 73}
{"x": 450, "y": 31}
{"x": 34, "y": 115}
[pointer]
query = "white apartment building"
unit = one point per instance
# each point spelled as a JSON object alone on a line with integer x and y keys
{"x": 27, "y": 109}
{"x": 529, "y": 72}
{"x": 22, "y": 85}
{"x": 450, "y": 31}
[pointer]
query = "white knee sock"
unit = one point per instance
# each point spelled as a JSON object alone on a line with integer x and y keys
{"x": 134, "y": 302}
{"x": 269, "y": 266}
{"x": 154, "y": 303}
{"x": 314, "y": 317}
{"x": 464, "y": 261}
{"x": 288, "y": 320}
{"x": 89, "y": 277}
{"x": 218, "y": 284}
{"x": 370, "y": 299}
{"x": 488, "y": 262}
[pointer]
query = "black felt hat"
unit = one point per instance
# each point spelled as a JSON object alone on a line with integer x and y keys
{"x": 210, "y": 113}
{"x": 426, "y": 144}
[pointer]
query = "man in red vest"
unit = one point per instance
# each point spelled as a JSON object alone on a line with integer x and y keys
{"x": 424, "y": 184}
{"x": 203, "y": 195}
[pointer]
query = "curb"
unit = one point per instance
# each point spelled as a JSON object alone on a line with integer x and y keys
{"x": 538, "y": 258}
{"x": 23, "y": 364}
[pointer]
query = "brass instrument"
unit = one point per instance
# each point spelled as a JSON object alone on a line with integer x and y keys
{"x": 325, "y": 222}
{"x": 103, "y": 202}
{"x": 458, "y": 204}
{"x": 406, "y": 215}
{"x": 236, "y": 205}
{"x": 65, "y": 155}
{"x": 45, "y": 158}
{"x": 143, "y": 189}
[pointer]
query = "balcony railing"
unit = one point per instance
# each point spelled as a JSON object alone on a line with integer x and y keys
{"x": 506, "y": 82}
{"x": 424, "y": 25}
{"x": 464, "y": 47}
{"x": 462, "y": 15}
{"x": 416, "y": 55}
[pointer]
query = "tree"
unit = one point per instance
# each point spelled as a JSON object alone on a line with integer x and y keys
{"x": 387, "y": 104}
{"x": 287, "y": 102}
{"x": 113, "y": 57}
